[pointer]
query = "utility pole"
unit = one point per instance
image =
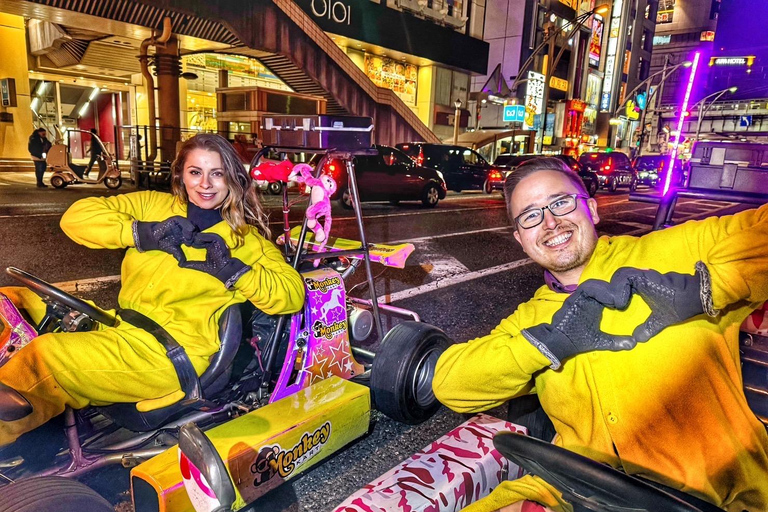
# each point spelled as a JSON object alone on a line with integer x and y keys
{"x": 547, "y": 68}
{"x": 660, "y": 94}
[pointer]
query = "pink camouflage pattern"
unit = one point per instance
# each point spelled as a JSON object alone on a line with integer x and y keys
{"x": 446, "y": 476}
{"x": 15, "y": 332}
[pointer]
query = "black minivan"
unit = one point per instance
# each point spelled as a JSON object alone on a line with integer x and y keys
{"x": 462, "y": 168}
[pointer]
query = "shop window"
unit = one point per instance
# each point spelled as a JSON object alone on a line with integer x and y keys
{"x": 398, "y": 76}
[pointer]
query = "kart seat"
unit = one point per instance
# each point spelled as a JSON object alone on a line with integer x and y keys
{"x": 213, "y": 380}
{"x": 13, "y": 406}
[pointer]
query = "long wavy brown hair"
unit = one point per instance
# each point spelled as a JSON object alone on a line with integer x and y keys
{"x": 242, "y": 207}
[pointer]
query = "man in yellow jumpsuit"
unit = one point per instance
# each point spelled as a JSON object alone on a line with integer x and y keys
{"x": 175, "y": 284}
{"x": 670, "y": 409}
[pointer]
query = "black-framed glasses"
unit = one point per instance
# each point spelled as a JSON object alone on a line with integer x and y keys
{"x": 563, "y": 205}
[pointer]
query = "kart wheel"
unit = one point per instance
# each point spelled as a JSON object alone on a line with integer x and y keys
{"x": 593, "y": 188}
{"x": 113, "y": 183}
{"x": 51, "y": 493}
{"x": 58, "y": 182}
{"x": 430, "y": 197}
{"x": 613, "y": 185}
{"x": 274, "y": 188}
{"x": 345, "y": 199}
{"x": 401, "y": 377}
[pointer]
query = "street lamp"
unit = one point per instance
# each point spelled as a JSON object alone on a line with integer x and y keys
{"x": 702, "y": 111}
{"x": 666, "y": 73}
{"x": 456, "y": 116}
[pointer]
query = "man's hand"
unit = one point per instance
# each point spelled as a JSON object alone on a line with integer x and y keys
{"x": 575, "y": 327}
{"x": 218, "y": 261}
{"x": 672, "y": 297}
{"x": 166, "y": 236}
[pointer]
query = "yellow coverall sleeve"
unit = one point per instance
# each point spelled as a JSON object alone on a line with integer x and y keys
{"x": 735, "y": 250}
{"x": 272, "y": 285}
{"x": 106, "y": 222}
{"x": 486, "y": 372}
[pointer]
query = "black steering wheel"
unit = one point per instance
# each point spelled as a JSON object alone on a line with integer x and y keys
{"x": 50, "y": 293}
{"x": 589, "y": 485}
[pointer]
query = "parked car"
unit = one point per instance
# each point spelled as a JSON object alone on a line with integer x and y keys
{"x": 650, "y": 169}
{"x": 507, "y": 163}
{"x": 612, "y": 169}
{"x": 388, "y": 176}
{"x": 463, "y": 168}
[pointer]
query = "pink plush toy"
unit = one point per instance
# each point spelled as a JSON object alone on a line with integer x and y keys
{"x": 321, "y": 190}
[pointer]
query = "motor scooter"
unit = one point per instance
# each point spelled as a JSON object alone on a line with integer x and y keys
{"x": 65, "y": 172}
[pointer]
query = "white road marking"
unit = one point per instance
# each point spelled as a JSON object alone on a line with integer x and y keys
{"x": 444, "y": 283}
{"x": 446, "y": 235}
{"x": 437, "y": 264}
{"x": 85, "y": 285}
{"x": 25, "y": 215}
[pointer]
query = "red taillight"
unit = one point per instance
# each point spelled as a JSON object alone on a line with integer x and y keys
{"x": 607, "y": 168}
{"x": 331, "y": 167}
{"x": 420, "y": 158}
{"x": 496, "y": 175}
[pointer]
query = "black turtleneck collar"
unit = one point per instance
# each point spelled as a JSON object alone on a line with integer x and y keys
{"x": 201, "y": 218}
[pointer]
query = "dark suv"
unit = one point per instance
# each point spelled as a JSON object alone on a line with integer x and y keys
{"x": 651, "y": 169}
{"x": 507, "y": 163}
{"x": 462, "y": 168}
{"x": 613, "y": 169}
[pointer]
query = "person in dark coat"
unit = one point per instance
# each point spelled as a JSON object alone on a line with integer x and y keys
{"x": 38, "y": 147}
{"x": 96, "y": 151}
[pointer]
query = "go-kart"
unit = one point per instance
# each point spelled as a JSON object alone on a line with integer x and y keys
{"x": 280, "y": 395}
{"x": 65, "y": 172}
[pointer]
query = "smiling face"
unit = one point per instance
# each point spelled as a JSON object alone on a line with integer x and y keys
{"x": 562, "y": 245}
{"x": 204, "y": 180}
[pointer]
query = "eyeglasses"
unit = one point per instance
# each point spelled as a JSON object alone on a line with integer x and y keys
{"x": 563, "y": 205}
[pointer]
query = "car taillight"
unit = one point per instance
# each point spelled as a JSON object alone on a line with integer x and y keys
{"x": 420, "y": 158}
{"x": 607, "y": 168}
{"x": 495, "y": 175}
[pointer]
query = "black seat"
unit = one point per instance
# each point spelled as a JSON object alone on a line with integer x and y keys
{"x": 212, "y": 381}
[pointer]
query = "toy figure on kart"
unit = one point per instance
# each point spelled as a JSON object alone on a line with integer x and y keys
{"x": 299, "y": 390}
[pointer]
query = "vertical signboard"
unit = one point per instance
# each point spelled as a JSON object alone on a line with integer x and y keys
{"x": 534, "y": 99}
{"x": 610, "y": 58}
{"x": 596, "y": 41}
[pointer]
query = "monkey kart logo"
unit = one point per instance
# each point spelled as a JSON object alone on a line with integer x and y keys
{"x": 274, "y": 460}
{"x": 329, "y": 283}
{"x": 320, "y": 330}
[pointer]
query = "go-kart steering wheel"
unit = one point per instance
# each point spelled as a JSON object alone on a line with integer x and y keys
{"x": 588, "y": 485}
{"x": 48, "y": 292}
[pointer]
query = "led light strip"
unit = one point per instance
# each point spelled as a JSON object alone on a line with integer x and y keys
{"x": 683, "y": 110}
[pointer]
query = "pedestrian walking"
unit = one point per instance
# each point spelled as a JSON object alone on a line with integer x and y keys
{"x": 38, "y": 148}
{"x": 96, "y": 151}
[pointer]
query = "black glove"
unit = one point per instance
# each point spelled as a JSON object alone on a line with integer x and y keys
{"x": 166, "y": 236}
{"x": 672, "y": 297}
{"x": 575, "y": 327}
{"x": 218, "y": 261}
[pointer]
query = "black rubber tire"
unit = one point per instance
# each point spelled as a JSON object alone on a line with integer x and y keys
{"x": 113, "y": 183}
{"x": 58, "y": 182}
{"x": 51, "y": 494}
{"x": 345, "y": 200}
{"x": 593, "y": 186}
{"x": 275, "y": 188}
{"x": 633, "y": 185}
{"x": 612, "y": 185}
{"x": 487, "y": 187}
{"x": 401, "y": 377}
{"x": 430, "y": 196}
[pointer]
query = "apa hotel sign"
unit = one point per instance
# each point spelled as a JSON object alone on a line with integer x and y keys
{"x": 732, "y": 61}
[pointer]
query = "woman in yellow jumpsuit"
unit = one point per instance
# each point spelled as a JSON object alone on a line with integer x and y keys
{"x": 672, "y": 409}
{"x": 190, "y": 254}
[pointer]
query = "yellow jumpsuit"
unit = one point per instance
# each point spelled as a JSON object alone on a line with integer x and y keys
{"x": 125, "y": 363}
{"x": 670, "y": 410}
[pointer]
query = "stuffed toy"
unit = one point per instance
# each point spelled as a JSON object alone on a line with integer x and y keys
{"x": 272, "y": 171}
{"x": 321, "y": 190}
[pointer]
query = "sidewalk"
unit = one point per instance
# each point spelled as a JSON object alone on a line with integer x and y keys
{"x": 9, "y": 179}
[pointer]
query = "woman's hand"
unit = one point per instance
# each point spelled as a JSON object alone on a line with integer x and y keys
{"x": 166, "y": 236}
{"x": 218, "y": 261}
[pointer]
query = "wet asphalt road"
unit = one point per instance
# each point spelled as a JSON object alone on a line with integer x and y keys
{"x": 466, "y": 274}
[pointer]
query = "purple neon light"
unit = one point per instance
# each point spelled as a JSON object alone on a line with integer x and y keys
{"x": 683, "y": 110}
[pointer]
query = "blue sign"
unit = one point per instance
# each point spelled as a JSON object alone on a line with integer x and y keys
{"x": 605, "y": 102}
{"x": 513, "y": 114}
{"x": 745, "y": 121}
{"x": 642, "y": 100}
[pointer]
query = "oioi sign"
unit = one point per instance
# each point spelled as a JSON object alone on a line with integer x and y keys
{"x": 334, "y": 10}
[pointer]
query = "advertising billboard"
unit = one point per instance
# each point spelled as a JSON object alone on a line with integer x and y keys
{"x": 596, "y": 41}
{"x": 534, "y": 98}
